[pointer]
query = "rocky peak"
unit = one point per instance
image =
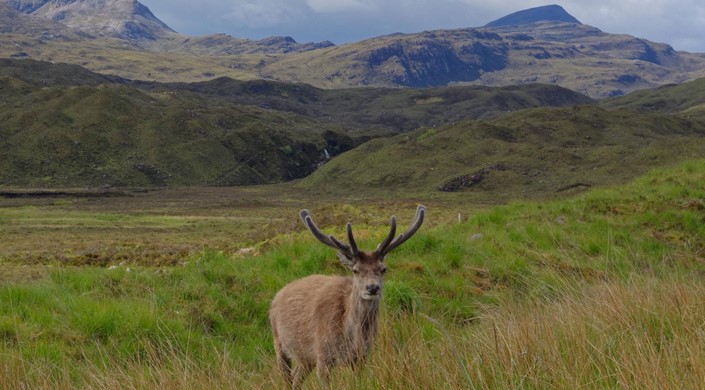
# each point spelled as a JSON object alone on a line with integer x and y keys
{"x": 547, "y": 13}
{"x": 26, "y": 6}
{"x": 127, "y": 19}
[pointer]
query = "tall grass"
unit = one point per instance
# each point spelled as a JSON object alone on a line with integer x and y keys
{"x": 642, "y": 333}
{"x": 639, "y": 334}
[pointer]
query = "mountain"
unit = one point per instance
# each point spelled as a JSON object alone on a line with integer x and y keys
{"x": 569, "y": 54}
{"x": 540, "y": 45}
{"x": 13, "y": 22}
{"x": 127, "y": 19}
{"x": 548, "y": 13}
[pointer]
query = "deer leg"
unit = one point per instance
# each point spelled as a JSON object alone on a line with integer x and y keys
{"x": 300, "y": 373}
{"x": 323, "y": 371}
{"x": 357, "y": 365}
{"x": 283, "y": 362}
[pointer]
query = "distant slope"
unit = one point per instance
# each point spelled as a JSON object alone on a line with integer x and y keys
{"x": 530, "y": 153}
{"x": 574, "y": 56}
{"x": 62, "y": 125}
{"x": 385, "y": 109}
{"x": 426, "y": 59}
{"x": 42, "y": 73}
{"x": 116, "y": 135}
{"x": 687, "y": 99}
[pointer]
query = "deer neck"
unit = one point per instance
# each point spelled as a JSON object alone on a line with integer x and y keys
{"x": 361, "y": 320}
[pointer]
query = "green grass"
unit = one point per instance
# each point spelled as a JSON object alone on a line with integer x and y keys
{"x": 535, "y": 153}
{"x": 87, "y": 130}
{"x": 65, "y": 126}
{"x": 686, "y": 98}
{"x": 559, "y": 294}
{"x": 117, "y": 135}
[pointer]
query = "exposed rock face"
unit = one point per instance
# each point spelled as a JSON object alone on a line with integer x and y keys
{"x": 434, "y": 60}
{"x": 26, "y": 6}
{"x": 127, "y": 19}
{"x": 13, "y": 21}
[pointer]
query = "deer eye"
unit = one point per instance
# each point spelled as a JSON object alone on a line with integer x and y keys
{"x": 355, "y": 271}
{"x": 384, "y": 270}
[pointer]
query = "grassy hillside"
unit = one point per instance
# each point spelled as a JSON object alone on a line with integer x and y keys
{"x": 537, "y": 152}
{"x": 118, "y": 132}
{"x": 44, "y": 74}
{"x": 385, "y": 109}
{"x": 121, "y": 58}
{"x": 603, "y": 290}
{"x": 687, "y": 99}
{"x": 119, "y": 136}
{"x": 64, "y": 126}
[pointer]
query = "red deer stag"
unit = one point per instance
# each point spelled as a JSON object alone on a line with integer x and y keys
{"x": 322, "y": 321}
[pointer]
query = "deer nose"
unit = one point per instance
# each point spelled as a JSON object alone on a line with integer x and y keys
{"x": 373, "y": 289}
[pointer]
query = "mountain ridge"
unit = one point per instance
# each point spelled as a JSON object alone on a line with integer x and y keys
{"x": 539, "y": 45}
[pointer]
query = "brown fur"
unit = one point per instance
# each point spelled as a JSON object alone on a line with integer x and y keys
{"x": 322, "y": 321}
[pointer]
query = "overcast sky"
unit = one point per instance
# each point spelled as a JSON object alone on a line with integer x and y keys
{"x": 680, "y": 23}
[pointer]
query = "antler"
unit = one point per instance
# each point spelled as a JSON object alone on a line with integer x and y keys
{"x": 349, "y": 251}
{"x": 390, "y": 243}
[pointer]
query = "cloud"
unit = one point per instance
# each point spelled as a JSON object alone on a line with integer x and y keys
{"x": 262, "y": 13}
{"x": 336, "y": 6}
{"x": 677, "y": 22}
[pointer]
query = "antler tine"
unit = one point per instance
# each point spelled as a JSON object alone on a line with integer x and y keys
{"x": 392, "y": 231}
{"x": 351, "y": 239}
{"x": 415, "y": 225}
{"x": 322, "y": 237}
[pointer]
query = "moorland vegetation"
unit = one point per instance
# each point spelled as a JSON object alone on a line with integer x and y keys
{"x": 599, "y": 290}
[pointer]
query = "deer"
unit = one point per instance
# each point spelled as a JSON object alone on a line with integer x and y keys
{"x": 322, "y": 321}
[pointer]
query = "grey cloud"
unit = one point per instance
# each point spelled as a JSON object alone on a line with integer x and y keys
{"x": 677, "y": 22}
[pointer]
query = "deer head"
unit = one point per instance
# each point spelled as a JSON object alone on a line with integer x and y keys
{"x": 368, "y": 267}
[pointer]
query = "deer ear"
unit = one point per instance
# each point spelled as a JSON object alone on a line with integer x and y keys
{"x": 348, "y": 262}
